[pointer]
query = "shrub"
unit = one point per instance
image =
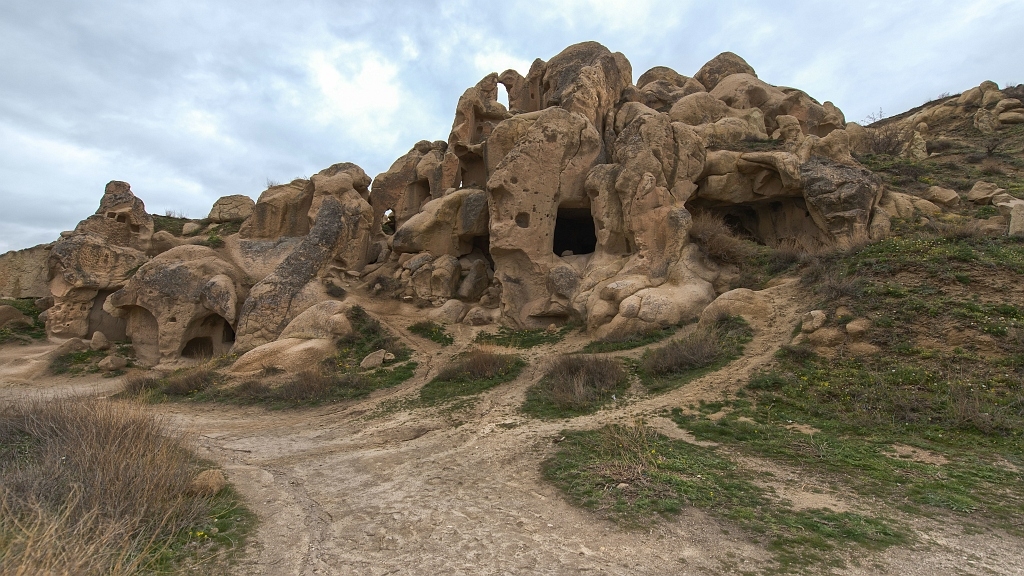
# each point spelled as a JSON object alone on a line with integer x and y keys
{"x": 699, "y": 348}
{"x": 432, "y": 331}
{"x": 717, "y": 241}
{"x": 138, "y": 384}
{"x": 188, "y": 381}
{"x": 94, "y": 487}
{"x": 472, "y": 373}
{"x": 574, "y": 385}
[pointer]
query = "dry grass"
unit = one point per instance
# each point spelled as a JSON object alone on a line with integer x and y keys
{"x": 580, "y": 382}
{"x": 717, "y": 241}
{"x": 136, "y": 384}
{"x": 188, "y": 381}
{"x": 700, "y": 347}
{"x": 91, "y": 487}
{"x": 959, "y": 228}
{"x": 476, "y": 365}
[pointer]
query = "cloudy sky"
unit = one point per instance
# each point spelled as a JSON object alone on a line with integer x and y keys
{"x": 190, "y": 101}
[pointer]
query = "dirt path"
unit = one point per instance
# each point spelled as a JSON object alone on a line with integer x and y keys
{"x": 357, "y": 489}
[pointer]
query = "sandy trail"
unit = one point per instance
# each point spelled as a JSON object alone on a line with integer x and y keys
{"x": 354, "y": 489}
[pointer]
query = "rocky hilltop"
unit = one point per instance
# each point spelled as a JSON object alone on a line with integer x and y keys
{"x": 573, "y": 205}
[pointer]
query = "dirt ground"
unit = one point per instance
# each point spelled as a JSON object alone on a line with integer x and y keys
{"x": 370, "y": 487}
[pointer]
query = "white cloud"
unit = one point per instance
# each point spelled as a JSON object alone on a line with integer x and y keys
{"x": 359, "y": 91}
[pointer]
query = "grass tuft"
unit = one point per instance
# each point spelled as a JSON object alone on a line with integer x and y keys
{"x": 575, "y": 385}
{"x": 471, "y": 373}
{"x": 432, "y": 331}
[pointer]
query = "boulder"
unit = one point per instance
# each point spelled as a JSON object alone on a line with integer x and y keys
{"x": 752, "y": 306}
{"x": 328, "y": 319}
{"x": 1017, "y": 221}
{"x": 1011, "y": 117}
{"x": 986, "y": 121}
{"x": 826, "y": 337}
{"x": 812, "y": 321}
{"x": 941, "y": 196}
{"x": 927, "y": 208}
{"x": 722, "y": 66}
{"x": 99, "y": 342}
{"x": 480, "y": 316}
{"x": 191, "y": 228}
{"x": 291, "y": 355}
{"x": 982, "y": 192}
{"x": 858, "y": 327}
{"x": 112, "y": 363}
{"x": 840, "y": 198}
{"x": 451, "y": 312}
{"x": 374, "y": 360}
{"x": 11, "y": 316}
{"x": 234, "y": 208}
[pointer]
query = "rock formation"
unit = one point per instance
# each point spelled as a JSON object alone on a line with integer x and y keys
{"x": 574, "y": 204}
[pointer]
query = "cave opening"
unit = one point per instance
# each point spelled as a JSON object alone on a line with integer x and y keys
{"x": 574, "y": 232}
{"x": 198, "y": 347}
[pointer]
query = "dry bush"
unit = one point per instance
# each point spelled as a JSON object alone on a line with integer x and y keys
{"x": 316, "y": 386}
{"x": 697, "y": 349}
{"x": 939, "y": 145}
{"x": 139, "y": 383}
{"x": 834, "y": 285}
{"x": 719, "y": 243}
{"x": 888, "y": 138}
{"x": 185, "y": 382}
{"x": 252, "y": 389}
{"x": 477, "y": 365}
{"x": 631, "y": 452}
{"x": 577, "y": 382}
{"x": 959, "y": 228}
{"x": 91, "y": 487}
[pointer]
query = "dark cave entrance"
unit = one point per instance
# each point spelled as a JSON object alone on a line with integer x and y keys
{"x": 574, "y": 232}
{"x": 198, "y": 348}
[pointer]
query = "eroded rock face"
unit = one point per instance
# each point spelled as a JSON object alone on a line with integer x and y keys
{"x": 23, "y": 272}
{"x": 281, "y": 211}
{"x": 235, "y": 208}
{"x": 183, "y": 302}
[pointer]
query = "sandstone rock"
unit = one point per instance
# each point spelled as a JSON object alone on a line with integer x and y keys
{"x": 826, "y": 337}
{"x": 927, "y": 208}
{"x": 881, "y": 224}
{"x": 916, "y": 148}
{"x": 447, "y": 225}
{"x": 858, "y": 327}
{"x": 476, "y": 281}
{"x": 897, "y": 204}
{"x": 184, "y": 301}
{"x": 99, "y": 342}
{"x": 112, "y": 363}
{"x": 986, "y": 122}
{"x": 982, "y": 192}
{"x": 661, "y": 87}
{"x": 274, "y": 301}
{"x": 121, "y": 218}
{"x": 722, "y": 66}
{"x": 23, "y": 272}
{"x": 1006, "y": 105}
{"x": 941, "y": 196}
{"x": 11, "y": 316}
{"x": 480, "y": 316}
{"x": 207, "y": 483}
{"x": 862, "y": 349}
{"x": 327, "y": 320}
{"x": 452, "y": 312}
{"x": 373, "y": 360}
{"x": 752, "y": 306}
{"x": 282, "y": 210}
{"x": 291, "y": 355}
{"x": 1011, "y": 117}
{"x": 812, "y": 321}
{"x": 191, "y": 228}
{"x": 234, "y": 208}
{"x": 1017, "y": 221}
{"x": 840, "y": 198}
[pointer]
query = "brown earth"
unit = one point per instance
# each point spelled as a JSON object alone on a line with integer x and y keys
{"x": 371, "y": 487}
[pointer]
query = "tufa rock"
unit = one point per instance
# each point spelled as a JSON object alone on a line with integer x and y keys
{"x": 234, "y": 208}
{"x": 982, "y": 192}
{"x": 99, "y": 342}
{"x": 112, "y": 363}
{"x": 374, "y": 360}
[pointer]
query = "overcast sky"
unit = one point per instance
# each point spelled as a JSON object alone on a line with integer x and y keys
{"x": 190, "y": 101}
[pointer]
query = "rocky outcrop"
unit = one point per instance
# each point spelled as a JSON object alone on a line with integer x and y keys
{"x": 235, "y": 208}
{"x": 281, "y": 211}
{"x": 23, "y": 272}
{"x": 184, "y": 302}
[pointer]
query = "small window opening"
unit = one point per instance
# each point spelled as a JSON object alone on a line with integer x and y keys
{"x": 523, "y": 220}
{"x": 229, "y": 334}
{"x": 574, "y": 232}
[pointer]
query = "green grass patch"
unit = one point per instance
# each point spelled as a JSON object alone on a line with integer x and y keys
{"x": 78, "y": 363}
{"x": 432, "y": 331}
{"x": 576, "y": 385}
{"x": 523, "y": 338}
{"x": 169, "y": 224}
{"x": 633, "y": 474}
{"x": 703, "y": 349}
{"x": 470, "y": 374}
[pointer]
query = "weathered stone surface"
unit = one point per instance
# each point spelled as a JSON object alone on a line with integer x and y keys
{"x": 812, "y": 321}
{"x": 447, "y": 225}
{"x": 288, "y": 354}
{"x": 752, "y": 306}
{"x": 722, "y": 66}
{"x": 374, "y": 360}
{"x": 184, "y": 301}
{"x": 451, "y": 312}
{"x": 11, "y": 316}
{"x": 941, "y": 196}
{"x": 324, "y": 320}
{"x": 99, "y": 342}
{"x": 289, "y": 290}
{"x": 191, "y": 228}
{"x": 840, "y": 197}
{"x": 23, "y": 272}
{"x": 927, "y": 208}
{"x": 410, "y": 182}
{"x": 234, "y": 208}
{"x": 112, "y": 363}
{"x": 857, "y": 328}
{"x": 982, "y": 192}
{"x": 281, "y": 211}
{"x": 661, "y": 87}
{"x": 1017, "y": 221}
